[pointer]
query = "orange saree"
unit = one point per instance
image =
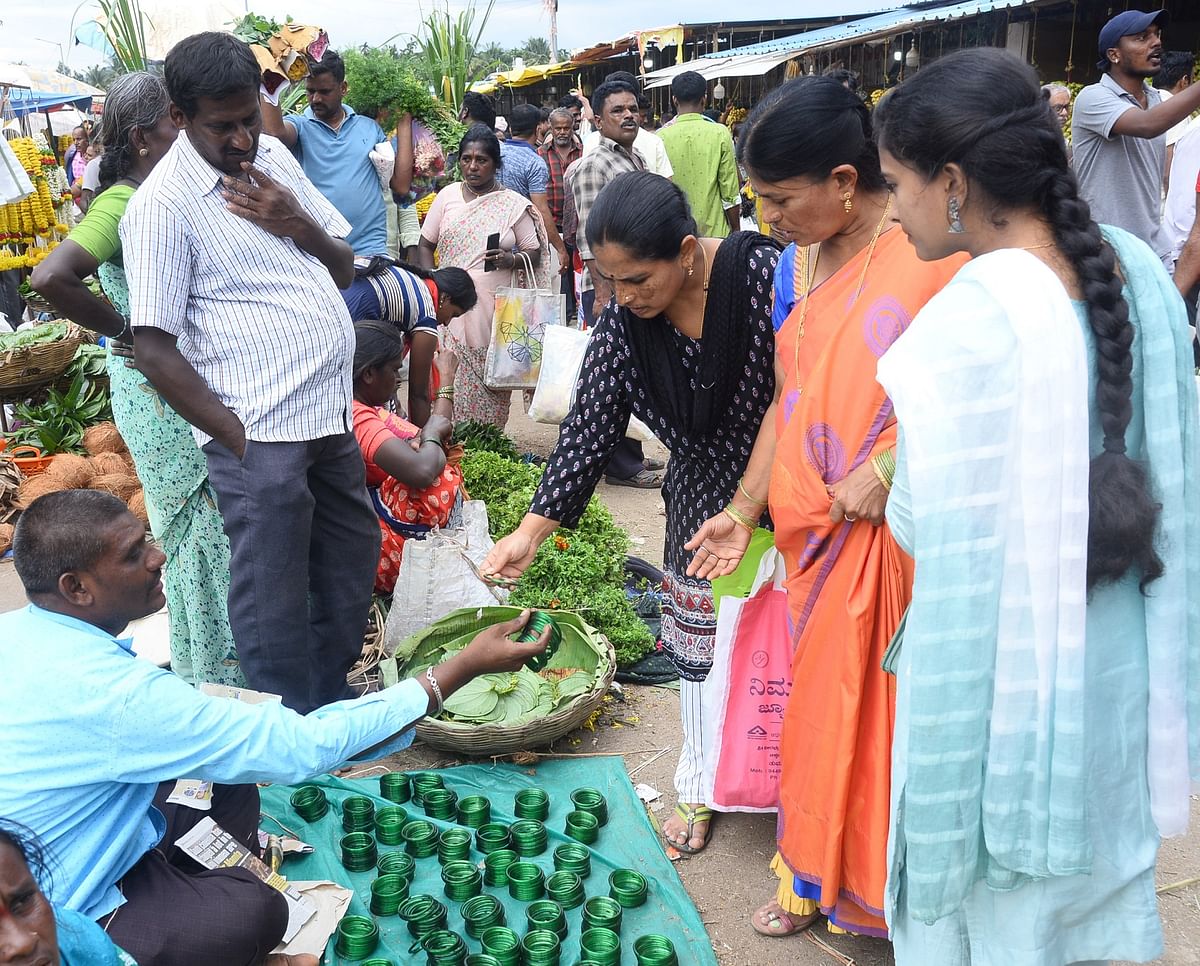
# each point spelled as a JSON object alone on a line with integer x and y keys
{"x": 848, "y": 584}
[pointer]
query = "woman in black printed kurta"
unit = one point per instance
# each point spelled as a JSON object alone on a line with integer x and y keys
{"x": 687, "y": 346}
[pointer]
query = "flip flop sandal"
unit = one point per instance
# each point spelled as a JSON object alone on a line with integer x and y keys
{"x": 692, "y": 815}
{"x": 781, "y": 923}
{"x": 654, "y": 465}
{"x": 642, "y": 480}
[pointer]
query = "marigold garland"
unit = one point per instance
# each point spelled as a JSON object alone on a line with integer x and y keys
{"x": 32, "y": 227}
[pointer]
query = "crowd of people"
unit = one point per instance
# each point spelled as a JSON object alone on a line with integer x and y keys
{"x": 954, "y": 377}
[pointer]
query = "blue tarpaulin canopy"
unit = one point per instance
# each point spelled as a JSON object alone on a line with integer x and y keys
{"x": 24, "y": 102}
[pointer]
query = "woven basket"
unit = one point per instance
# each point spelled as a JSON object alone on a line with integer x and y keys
{"x": 38, "y": 305}
{"x": 502, "y": 739}
{"x": 27, "y": 367}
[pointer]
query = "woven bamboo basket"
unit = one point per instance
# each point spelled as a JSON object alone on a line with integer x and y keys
{"x": 502, "y": 739}
{"x": 29, "y": 366}
{"x": 38, "y": 305}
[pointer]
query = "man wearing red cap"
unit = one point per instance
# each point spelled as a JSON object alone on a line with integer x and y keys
{"x": 1119, "y": 128}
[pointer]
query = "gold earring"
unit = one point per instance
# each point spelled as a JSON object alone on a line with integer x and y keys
{"x": 691, "y": 271}
{"x": 143, "y": 151}
{"x": 847, "y": 203}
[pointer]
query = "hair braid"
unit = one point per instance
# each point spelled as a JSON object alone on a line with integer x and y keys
{"x": 1122, "y": 512}
{"x": 1001, "y": 131}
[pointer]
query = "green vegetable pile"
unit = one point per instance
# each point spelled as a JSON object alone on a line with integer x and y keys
{"x": 580, "y": 570}
{"x": 57, "y": 425}
{"x": 511, "y": 698}
{"x": 377, "y": 80}
{"x": 256, "y": 29}
{"x": 475, "y": 435}
{"x": 37, "y": 335}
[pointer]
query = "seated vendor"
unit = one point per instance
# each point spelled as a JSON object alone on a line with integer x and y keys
{"x": 411, "y": 482}
{"x": 416, "y": 301}
{"x": 94, "y": 739}
{"x": 34, "y": 931}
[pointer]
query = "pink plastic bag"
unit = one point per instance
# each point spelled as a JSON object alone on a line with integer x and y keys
{"x": 747, "y": 690}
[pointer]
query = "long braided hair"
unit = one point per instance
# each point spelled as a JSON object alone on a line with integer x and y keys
{"x": 136, "y": 101}
{"x": 999, "y": 129}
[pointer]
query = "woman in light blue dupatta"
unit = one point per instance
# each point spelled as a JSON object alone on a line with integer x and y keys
{"x": 1048, "y": 679}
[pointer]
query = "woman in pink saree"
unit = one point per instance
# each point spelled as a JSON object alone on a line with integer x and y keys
{"x": 457, "y": 227}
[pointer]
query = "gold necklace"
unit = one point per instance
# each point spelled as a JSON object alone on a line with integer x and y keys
{"x": 810, "y": 274}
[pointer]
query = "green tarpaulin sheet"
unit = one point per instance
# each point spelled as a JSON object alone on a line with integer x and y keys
{"x": 627, "y": 841}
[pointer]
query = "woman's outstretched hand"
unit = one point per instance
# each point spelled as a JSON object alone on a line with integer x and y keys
{"x": 509, "y": 559}
{"x": 719, "y": 546}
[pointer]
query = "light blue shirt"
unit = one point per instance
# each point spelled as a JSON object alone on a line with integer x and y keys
{"x": 522, "y": 169}
{"x": 89, "y": 731}
{"x": 339, "y": 164}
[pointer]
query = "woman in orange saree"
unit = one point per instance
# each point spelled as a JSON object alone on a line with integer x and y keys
{"x": 854, "y": 282}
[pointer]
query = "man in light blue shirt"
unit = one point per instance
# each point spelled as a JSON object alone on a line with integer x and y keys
{"x": 524, "y": 171}
{"x": 91, "y": 733}
{"x": 333, "y": 145}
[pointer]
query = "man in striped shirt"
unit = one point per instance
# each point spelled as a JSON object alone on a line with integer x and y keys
{"x": 234, "y": 261}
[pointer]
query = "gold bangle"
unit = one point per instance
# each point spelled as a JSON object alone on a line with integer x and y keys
{"x": 738, "y": 517}
{"x": 746, "y": 493}
{"x": 446, "y": 392}
{"x": 884, "y": 467}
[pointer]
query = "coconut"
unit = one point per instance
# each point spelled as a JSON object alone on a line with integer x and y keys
{"x": 73, "y": 472}
{"x": 103, "y": 438}
{"x": 120, "y": 485}
{"x": 137, "y": 506}
{"x": 6, "y": 535}
{"x": 106, "y": 463}
{"x": 37, "y": 486}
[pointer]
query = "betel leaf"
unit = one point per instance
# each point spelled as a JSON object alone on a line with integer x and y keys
{"x": 475, "y": 700}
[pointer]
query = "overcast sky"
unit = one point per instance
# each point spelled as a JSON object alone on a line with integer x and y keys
{"x": 31, "y": 30}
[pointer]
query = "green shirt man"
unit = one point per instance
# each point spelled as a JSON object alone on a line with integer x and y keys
{"x": 701, "y": 153}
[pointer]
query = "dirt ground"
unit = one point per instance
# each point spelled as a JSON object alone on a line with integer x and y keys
{"x": 731, "y": 878}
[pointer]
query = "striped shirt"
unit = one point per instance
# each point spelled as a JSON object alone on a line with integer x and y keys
{"x": 257, "y": 317}
{"x": 393, "y": 295}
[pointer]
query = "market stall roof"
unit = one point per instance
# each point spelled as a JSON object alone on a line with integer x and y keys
{"x": 722, "y": 65}
{"x": 879, "y": 25}
{"x": 662, "y": 36}
{"x": 45, "y": 90}
{"x": 522, "y": 75}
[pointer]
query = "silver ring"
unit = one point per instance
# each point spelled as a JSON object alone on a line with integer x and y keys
{"x": 849, "y": 519}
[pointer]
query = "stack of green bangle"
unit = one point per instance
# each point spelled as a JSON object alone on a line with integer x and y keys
{"x": 480, "y": 913}
{"x": 502, "y": 943}
{"x": 420, "y": 839}
{"x": 358, "y": 814}
{"x": 357, "y": 937}
{"x": 397, "y": 863}
{"x": 377, "y": 961}
{"x": 570, "y": 857}
{"x": 423, "y": 914}
{"x": 542, "y": 948}
{"x": 628, "y": 887}
{"x": 602, "y": 911}
{"x": 526, "y": 881}
{"x": 492, "y": 837}
{"x": 474, "y": 811}
{"x": 590, "y": 800}
{"x": 423, "y": 782}
{"x": 532, "y": 803}
{"x": 387, "y": 892}
{"x": 453, "y": 844}
{"x": 601, "y": 945}
{"x": 440, "y": 803}
{"x": 546, "y": 914}
{"x": 495, "y": 866}
{"x": 395, "y": 787}
{"x": 309, "y": 802}
{"x": 565, "y": 888}
{"x": 528, "y": 837}
{"x": 461, "y": 881}
{"x": 358, "y": 852}
{"x": 655, "y": 950}
{"x": 389, "y": 825}
{"x": 479, "y": 959}
{"x": 444, "y": 948}
{"x": 583, "y": 827}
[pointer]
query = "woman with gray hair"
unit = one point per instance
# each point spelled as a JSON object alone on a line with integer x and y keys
{"x": 180, "y": 504}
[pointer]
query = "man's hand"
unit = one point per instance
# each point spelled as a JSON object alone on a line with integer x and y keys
{"x": 266, "y": 203}
{"x": 564, "y": 264}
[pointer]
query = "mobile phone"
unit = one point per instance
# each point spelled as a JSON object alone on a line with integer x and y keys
{"x": 493, "y": 242}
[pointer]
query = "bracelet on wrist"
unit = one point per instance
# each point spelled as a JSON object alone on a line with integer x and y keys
{"x": 738, "y": 517}
{"x": 436, "y": 442}
{"x": 884, "y": 466}
{"x": 437, "y": 692}
{"x": 746, "y": 493}
{"x": 446, "y": 392}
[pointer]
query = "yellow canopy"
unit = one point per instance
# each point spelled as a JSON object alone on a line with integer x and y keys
{"x": 521, "y": 78}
